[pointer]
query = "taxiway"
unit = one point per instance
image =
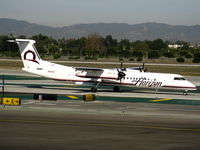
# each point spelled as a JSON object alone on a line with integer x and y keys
{"x": 102, "y": 124}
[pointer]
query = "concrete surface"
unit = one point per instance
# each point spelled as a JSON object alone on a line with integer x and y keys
{"x": 78, "y": 125}
{"x": 99, "y": 125}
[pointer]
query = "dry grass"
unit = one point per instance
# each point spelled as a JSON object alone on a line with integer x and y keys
{"x": 11, "y": 64}
{"x": 189, "y": 71}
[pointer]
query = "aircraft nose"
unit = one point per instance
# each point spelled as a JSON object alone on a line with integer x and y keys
{"x": 192, "y": 86}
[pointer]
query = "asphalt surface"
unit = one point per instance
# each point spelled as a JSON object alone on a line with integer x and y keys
{"x": 94, "y": 125}
{"x": 18, "y": 81}
{"x": 78, "y": 125}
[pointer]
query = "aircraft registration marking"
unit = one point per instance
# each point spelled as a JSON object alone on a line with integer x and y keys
{"x": 160, "y": 100}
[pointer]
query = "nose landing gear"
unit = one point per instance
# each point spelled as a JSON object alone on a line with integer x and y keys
{"x": 93, "y": 89}
{"x": 185, "y": 92}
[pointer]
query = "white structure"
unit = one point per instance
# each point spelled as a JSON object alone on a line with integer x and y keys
{"x": 174, "y": 46}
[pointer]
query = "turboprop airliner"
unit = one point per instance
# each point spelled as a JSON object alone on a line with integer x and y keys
{"x": 134, "y": 77}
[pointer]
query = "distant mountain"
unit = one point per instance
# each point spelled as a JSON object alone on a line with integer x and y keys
{"x": 144, "y": 31}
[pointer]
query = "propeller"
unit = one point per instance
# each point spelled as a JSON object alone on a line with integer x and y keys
{"x": 121, "y": 73}
{"x": 143, "y": 69}
{"x": 121, "y": 67}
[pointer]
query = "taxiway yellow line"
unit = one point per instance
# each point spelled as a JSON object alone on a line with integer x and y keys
{"x": 160, "y": 100}
{"x": 72, "y": 97}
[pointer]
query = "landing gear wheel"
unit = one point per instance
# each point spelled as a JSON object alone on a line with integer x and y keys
{"x": 93, "y": 89}
{"x": 116, "y": 88}
{"x": 185, "y": 92}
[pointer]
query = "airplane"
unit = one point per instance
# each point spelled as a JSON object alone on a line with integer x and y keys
{"x": 134, "y": 77}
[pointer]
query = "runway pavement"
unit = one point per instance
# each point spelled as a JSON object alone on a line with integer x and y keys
{"x": 99, "y": 125}
{"x": 74, "y": 124}
{"x": 18, "y": 81}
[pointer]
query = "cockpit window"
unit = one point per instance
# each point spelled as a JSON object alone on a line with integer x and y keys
{"x": 176, "y": 78}
{"x": 179, "y": 78}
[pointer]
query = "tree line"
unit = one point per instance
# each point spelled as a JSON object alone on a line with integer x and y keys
{"x": 95, "y": 46}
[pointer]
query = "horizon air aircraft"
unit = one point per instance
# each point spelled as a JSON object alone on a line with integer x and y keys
{"x": 134, "y": 77}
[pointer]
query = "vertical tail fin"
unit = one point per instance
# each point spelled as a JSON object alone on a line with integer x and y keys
{"x": 29, "y": 54}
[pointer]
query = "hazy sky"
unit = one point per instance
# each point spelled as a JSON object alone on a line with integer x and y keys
{"x": 67, "y": 12}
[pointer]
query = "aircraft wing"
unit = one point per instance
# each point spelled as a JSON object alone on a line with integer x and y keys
{"x": 89, "y": 72}
{"x": 88, "y": 69}
{"x": 95, "y": 73}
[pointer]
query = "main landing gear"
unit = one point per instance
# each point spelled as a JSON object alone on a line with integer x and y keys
{"x": 185, "y": 92}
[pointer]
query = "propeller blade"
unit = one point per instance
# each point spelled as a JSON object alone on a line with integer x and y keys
{"x": 121, "y": 74}
{"x": 143, "y": 65}
{"x": 143, "y": 69}
{"x": 121, "y": 65}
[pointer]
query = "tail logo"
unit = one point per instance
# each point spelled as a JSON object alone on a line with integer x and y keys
{"x": 30, "y": 56}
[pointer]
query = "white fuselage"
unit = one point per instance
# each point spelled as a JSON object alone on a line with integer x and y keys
{"x": 117, "y": 77}
{"x": 133, "y": 78}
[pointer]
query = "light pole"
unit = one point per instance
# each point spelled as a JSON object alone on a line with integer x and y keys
{"x": 2, "y": 86}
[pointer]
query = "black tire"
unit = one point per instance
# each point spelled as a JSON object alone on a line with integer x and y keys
{"x": 93, "y": 89}
{"x": 116, "y": 88}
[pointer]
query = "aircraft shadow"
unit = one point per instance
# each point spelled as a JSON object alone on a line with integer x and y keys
{"x": 101, "y": 90}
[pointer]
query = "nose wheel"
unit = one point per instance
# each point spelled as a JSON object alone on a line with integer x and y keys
{"x": 93, "y": 89}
